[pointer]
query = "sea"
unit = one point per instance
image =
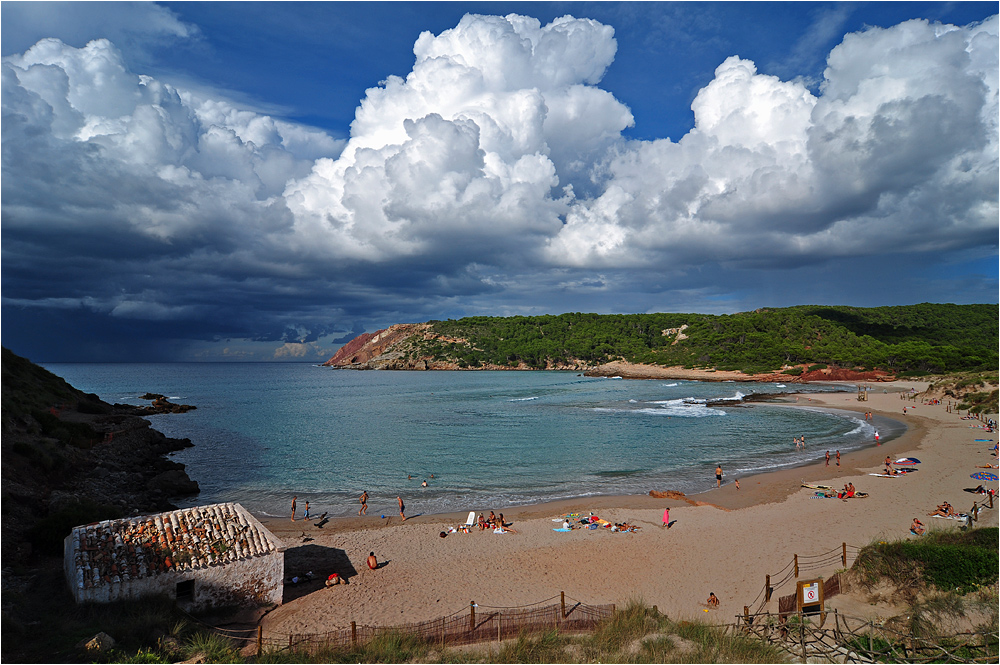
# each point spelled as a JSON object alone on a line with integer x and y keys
{"x": 482, "y": 440}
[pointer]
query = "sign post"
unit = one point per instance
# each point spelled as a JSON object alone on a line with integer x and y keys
{"x": 809, "y": 598}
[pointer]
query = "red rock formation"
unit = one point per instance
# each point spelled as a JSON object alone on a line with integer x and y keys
{"x": 366, "y": 346}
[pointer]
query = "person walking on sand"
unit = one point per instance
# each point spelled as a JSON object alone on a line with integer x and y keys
{"x": 828, "y": 458}
{"x": 718, "y": 476}
{"x": 305, "y": 514}
{"x": 364, "y": 503}
{"x": 293, "y": 507}
{"x": 401, "y": 508}
{"x": 737, "y": 482}
{"x": 666, "y": 517}
{"x": 838, "y": 458}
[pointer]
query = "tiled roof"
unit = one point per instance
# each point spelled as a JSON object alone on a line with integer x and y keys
{"x": 117, "y": 551}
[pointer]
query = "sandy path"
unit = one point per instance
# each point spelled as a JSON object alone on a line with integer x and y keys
{"x": 727, "y": 547}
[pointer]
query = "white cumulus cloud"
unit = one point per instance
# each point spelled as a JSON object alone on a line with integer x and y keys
{"x": 496, "y": 164}
{"x": 897, "y": 153}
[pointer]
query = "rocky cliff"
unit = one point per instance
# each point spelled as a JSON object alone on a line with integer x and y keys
{"x": 70, "y": 457}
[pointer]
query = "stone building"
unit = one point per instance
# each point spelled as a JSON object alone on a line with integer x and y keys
{"x": 203, "y": 557}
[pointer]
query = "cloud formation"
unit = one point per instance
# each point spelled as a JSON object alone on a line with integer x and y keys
{"x": 497, "y": 161}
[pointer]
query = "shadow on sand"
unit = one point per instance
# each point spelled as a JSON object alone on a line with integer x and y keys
{"x": 321, "y": 561}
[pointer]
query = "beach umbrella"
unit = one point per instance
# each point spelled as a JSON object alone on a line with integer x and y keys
{"x": 983, "y": 475}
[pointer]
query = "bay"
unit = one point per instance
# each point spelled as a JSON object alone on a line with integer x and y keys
{"x": 266, "y": 431}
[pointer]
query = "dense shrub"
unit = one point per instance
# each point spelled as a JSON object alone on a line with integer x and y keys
{"x": 960, "y": 561}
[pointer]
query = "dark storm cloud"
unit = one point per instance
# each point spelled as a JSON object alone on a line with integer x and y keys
{"x": 141, "y": 220}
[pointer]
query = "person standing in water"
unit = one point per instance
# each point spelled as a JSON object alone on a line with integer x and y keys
{"x": 364, "y": 503}
{"x": 293, "y": 507}
{"x": 718, "y": 476}
{"x": 401, "y": 508}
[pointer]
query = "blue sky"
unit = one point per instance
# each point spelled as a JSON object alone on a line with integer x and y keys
{"x": 262, "y": 181}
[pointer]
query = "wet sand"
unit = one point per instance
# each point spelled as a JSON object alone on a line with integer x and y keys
{"x": 723, "y": 541}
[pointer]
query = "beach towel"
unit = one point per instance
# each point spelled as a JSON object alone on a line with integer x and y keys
{"x": 562, "y": 529}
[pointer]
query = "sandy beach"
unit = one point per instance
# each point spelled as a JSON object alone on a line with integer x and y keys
{"x": 723, "y": 541}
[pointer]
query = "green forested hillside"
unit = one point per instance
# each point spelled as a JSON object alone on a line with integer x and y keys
{"x": 925, "y": 338}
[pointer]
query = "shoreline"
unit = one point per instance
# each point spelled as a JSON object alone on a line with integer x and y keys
{"x": 778, "y": 484}
{"x": 724, "y": 541}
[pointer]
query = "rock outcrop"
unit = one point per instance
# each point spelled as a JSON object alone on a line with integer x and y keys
{"x": 66, "y": 452}
{"x": 367, "y": 347}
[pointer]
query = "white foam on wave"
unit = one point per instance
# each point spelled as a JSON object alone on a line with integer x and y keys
{"x": 861, "y": 426}
{"x": 669, "y": 385}
{"x": 673, "y": 407}
{"x": 682, "y": 400}
{"x": 633, "y": 401}
{"x": 522, "y": 399}
{"x": 735, "y": 398}
{"x": 780, "y": 385}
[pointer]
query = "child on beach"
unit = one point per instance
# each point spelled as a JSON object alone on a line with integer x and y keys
{"x": 666, "y": 517}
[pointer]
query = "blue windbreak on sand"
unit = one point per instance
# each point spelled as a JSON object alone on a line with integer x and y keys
{"x": 263, "y": 432}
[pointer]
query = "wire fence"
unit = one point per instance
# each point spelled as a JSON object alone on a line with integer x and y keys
{"x": 466, "y": 626}
{"x": 849, "y": 639}
{"x": 797, "y": 567}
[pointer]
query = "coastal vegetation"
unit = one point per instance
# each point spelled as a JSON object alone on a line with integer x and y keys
{"x": 154, "y": 632}
{"x": 906, "y": 341}
{"x": 944, "y": 585}
{"x": 963, "y": 561}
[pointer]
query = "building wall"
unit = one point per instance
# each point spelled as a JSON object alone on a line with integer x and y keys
{"x": 254, "y": 581}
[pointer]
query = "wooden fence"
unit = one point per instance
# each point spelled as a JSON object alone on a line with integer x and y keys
{"x": 467, "y": 626}
{"x": 845, "y": 639}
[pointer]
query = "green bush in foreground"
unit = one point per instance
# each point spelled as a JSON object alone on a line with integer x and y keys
{"x": 947, "y": 560}
{"x": 634, "y": 634}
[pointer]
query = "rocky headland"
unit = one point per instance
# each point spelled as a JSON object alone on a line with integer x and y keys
{"x": 70, "y": 458}
{"x": 399, "y": 347}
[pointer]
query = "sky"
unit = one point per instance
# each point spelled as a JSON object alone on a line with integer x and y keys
{"x": 263, "y": 181}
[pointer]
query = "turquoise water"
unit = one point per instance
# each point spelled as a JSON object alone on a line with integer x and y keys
{"x": 263, "y": 432}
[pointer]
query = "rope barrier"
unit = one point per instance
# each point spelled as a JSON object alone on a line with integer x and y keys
{"x": 514, "y": 607}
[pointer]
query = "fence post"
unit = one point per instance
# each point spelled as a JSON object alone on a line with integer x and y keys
{"x": 499, "y": 624}
{"x": 746, "y": 615}
{"x": 260, "y": 639}
{"x": 845, "y": 555}
{"x": 796, "y": 564}
{"x": 562, "y": 602}
{"x": 472, "y": 615}
{"x": 354, "y": 634}
{"x": 442, "y": 633}
{"x": 767, "y": 588}
{"x": 802, "y": 636}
